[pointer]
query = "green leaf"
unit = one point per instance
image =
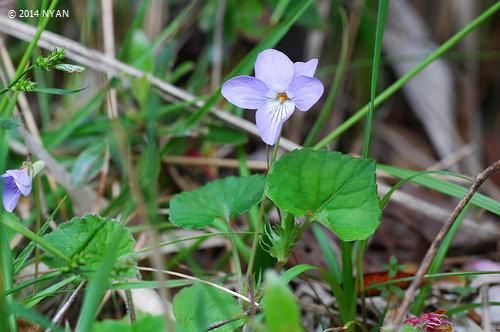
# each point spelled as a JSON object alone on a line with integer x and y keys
{"x": 86, "y": 240}
{"x": 218, "y": 199}
{"x": 200, "y": 305}
{"x": 87, "y": 163}
{"x": 280, "y": 306}
{"x": 55, "y": 91}
{"x": 140, "y": 43}
{"x": 336, "y": 190}
{"x": 8, "y": 123}
{"x": 144, "y": 322}
{"x": 72, "y": 69}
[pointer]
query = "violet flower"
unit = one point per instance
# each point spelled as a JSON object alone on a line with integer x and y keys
{"x": 14, "y": 183}
{"x": 278, "y": 87}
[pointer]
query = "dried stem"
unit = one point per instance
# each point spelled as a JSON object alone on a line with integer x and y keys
{"x": 213, "y": 326}
{"x": 57, "y": 318}
{"x": 188, "y": 277}
{"x": 431, "y": 252}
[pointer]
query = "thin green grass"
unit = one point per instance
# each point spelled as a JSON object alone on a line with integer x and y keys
{"x": 400, "y": 82}
{"x": 328, "y": 106}
{"x": 99, "y": 283}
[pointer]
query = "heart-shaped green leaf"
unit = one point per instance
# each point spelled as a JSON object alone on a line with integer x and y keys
{"x": 218, "y": 199}
{"x": 334, "y": 189}
{"x": 85, "y": 240}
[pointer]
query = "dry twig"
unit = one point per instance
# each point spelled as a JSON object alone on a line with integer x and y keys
{"x": 431, "y": 252}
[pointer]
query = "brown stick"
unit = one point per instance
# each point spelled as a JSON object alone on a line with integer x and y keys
{"x": 431, "y": 252}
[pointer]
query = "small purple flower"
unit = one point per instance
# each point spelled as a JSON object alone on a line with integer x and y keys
{"x": 278, "y": 87}
{"x": 14, "y": 183}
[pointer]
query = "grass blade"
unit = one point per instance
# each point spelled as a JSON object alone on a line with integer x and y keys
{"x": 49, "y": 291}
{"x": 399, "y": 83}
{"x": 442, "y": 186}
{"x": 7, "y": 322}
{"x": 55, "y": 91}
{"x": 386, "y": 197}
{"x": 98, "y": 285}
{"x": 9, "y": 220}
{"x": 32, "y": 282}
{"x": 21, "y": 259}
{"x": 165, "y": 34}
{"x": 328, "y": 106}
{"x": 383, "y": 8}
{"x": 331, "y": 259}
{"x": 138, "y": 18}
{"x": 59, "y": 136}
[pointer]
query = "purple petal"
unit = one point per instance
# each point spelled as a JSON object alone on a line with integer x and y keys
{"x": 305, "y": 68}
{"x": 305, "y": 92}
{"x": 10, "y": 193}
{"x": 275, "y": 69}
{"x": 485, "y": 265}
{"x": 270, "y": 117}
{"x": 22, "y": 180}
{"x": 245, "y": 92}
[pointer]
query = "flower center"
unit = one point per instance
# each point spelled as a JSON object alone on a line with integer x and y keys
{"x": 282, "y": 97}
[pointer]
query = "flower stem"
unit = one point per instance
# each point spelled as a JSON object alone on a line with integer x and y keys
{"x": 255, "y": 241}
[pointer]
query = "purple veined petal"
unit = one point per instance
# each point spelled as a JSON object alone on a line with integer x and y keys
{"x": 10, "y": 193}
{"x": 270, "y": 117}
{"x": 275, "y": 69}
{"x": 245, "y": 92}
{"x": 305, "y": 68}
{"x": 22, "y": 179}
{"x": 305, "y": 92}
